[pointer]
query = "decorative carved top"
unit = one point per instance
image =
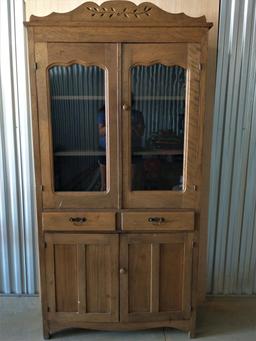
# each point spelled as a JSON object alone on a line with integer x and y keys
{"x": 118, "y": 13}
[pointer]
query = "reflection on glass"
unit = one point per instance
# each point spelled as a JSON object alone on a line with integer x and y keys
{"x": 78, "y": 127}
{"x": 157, "y": 120}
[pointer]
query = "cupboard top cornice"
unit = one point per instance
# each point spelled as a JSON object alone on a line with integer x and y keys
{"x": 119, "y": 13}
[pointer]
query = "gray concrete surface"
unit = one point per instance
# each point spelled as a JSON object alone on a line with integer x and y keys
{"x": 218, "y": 320}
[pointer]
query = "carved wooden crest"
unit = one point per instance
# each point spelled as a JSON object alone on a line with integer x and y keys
{"x": 119, "y": 13}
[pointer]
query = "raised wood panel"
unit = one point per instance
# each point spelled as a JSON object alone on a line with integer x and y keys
{"x": 139, "y": 267}
{"x": 171, "y": 262}
{"x": 66, "y": 278}
{"x": 82, "y": 277}
{"x": 61, "y": 221}
{"x": 155, "y": 279}
{"x": 181, "y": 221}
{"x": 98, "y": 278}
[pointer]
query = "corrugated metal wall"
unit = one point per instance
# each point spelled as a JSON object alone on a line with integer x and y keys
{"x": 232, "y": 223}
{"x": 18, "y": 251}
{"x": 232, "y": 233}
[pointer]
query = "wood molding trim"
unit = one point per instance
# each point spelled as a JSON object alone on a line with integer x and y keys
{"x": 119, "y": 13}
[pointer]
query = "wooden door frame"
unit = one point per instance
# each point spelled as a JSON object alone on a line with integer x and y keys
{"x": 46, "y": 58}
{"x": 186, "y": 56}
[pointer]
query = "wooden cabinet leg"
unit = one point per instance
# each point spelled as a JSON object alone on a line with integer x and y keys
{"x": 192, "y": 334}
{"x": 47, "y": 335}
{"x": 192, "y": 331}
{"x": 46, "y": 332}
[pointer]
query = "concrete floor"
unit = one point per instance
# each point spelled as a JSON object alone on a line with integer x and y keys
{"x": 218, "y": 320}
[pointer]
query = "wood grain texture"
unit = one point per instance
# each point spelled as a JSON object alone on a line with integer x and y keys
{"x": 82, "y": 277}
{"x": 144, "y": 258}
{"x": 98, "y": 278}
{"x": 119, "y": 12}
{"x": 189, "y": 56}
{"x": 56, "y": 326}
{"x": 60, "y": 221}
{"x": 66, "y": 282}
{"x": 103, "y": 55}
{"x": 180, "y": 221}
{"x": 192, "y": 8}
{"x": 157, "y": 277}
{"x": 120, "y": 34}
{"x": 38, "y": 181}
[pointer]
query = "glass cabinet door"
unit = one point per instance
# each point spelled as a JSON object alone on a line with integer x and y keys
{"x": 78, "y": 160}
{"x": 160, "y": 109}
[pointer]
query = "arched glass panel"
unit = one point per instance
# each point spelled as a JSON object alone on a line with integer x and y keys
{"x": 158, "y": 124}
{"x": 77, "y": 98}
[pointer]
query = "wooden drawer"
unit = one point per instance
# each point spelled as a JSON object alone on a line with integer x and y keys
{"x": 79, "y": 221}
{"x": 157, "y": 220}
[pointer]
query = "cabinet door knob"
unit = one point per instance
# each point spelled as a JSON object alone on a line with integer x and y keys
{"x": 122, "y": 271}
{"x": 77, "y": 220}
{"x": 126, "y": 107}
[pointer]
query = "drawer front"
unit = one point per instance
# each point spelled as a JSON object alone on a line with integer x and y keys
{"x": 157, "y": 220}
{"x": 79, "y": 221}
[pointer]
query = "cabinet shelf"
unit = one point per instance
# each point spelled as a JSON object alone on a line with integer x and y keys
{"x": 78, "y": 98}
{"x": 81, "y": 153}
{"x": 159, "y": 152}
{"x": 102, "y": 153}
{"x": 136, "y": 98}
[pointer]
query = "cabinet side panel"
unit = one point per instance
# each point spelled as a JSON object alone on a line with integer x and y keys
{"x": 98, "y": 279}
{"x": 171, "y": 279}
{"x": 66, "y": 280}
{"x": 139, "y": 284}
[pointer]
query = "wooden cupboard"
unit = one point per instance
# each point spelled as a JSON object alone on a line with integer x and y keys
{"x": 118, "y": 95}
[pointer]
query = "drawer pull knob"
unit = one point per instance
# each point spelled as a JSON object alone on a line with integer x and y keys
{"x": 156, "y": 220}
{"x": 77, "y": 220}
{"x": 122, "y": 271}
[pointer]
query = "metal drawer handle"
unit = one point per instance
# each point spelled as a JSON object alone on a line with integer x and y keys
{"x": 77, "y": 220}
{"x": 156, "y": 220}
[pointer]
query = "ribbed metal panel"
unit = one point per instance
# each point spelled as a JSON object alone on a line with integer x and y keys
{"x": 232, "y": 217}
{"x": 232, "y": 223}
{"x": 18, "y": 253}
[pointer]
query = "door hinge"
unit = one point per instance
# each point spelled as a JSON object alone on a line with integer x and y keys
{"x": 35, "y": 66}
{"x": 193, "y": 243}
{"x": 200, "y": 66}
{"x": 190, "y": 308}
{"x": 48, "y": 309}
{"x": 45, "y": 245}
{"x": 42, "y": 188}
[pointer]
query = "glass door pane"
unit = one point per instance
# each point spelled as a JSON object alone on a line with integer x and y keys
{"x": 157, "y": 127}
{"x": 77, "y": 99}
{"x": 162, "y": 126}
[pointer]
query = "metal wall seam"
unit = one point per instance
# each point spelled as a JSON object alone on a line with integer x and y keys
{"x": 17, "y": 211}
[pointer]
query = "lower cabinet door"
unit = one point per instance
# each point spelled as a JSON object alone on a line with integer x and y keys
{"x": 82, "y": 277}
{"x": 155, "y": 276}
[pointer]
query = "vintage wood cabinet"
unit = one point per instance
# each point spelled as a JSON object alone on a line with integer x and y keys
{"x": 118, "y": 96}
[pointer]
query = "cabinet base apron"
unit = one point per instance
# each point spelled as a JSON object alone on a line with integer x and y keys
{"x": 183, "y": 325}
